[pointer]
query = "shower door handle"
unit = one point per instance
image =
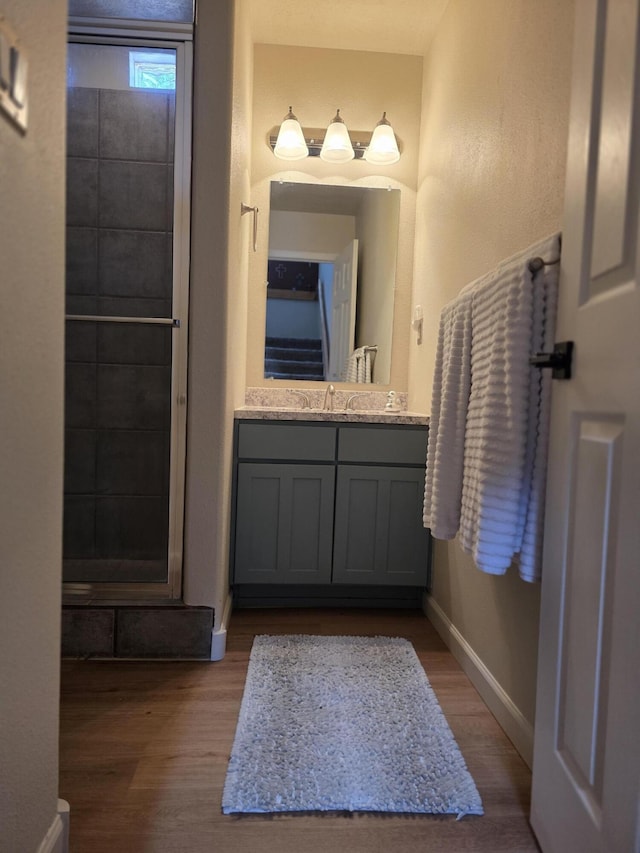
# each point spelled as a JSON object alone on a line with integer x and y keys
{"x": 174, "y": 322}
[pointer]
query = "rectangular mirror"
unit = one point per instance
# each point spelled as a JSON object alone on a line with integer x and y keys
{"x": 331, "y": 281}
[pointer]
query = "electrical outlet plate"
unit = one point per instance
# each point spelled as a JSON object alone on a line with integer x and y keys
{"x": 14, "y": 68}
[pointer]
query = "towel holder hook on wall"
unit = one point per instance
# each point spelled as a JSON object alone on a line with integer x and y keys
{"x": 559, "y": 360}
{"x": 246, "y": 208}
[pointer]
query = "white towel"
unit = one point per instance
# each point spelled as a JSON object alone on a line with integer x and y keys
{"x": 451, "y": 383}
{"x": 359, "y": 367}
{"x": 487, "y": 453}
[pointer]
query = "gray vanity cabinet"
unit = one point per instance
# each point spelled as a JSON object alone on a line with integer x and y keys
{"x": 329, "y": 505}
{"x": 379, "y": 537}
{"x": 284, "y": 509}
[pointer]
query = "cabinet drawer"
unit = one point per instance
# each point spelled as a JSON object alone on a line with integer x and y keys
{"x": 286, "y": 441}
{"x": 393, "y": 445}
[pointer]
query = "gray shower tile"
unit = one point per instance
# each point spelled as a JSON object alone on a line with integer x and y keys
{"x": 82, "y": 261}
{"x": 164, "y": 632}
{"x": 133, "y": 195}
{"x": 133, "y": 463}
{"x": 80, "y": 395}
{"x": 88, "y": 632}
{"x": 170, "y": 198}
{"x": 81, "y": 304}
{"x": 82, "y": 122}
{"x": 134, "y": 263}
{"x": 79, "y": 527}
{"x": 134, "y": 397}
{"x": 123, "y": 306}
{"x": 131, "y": 344}
{"x": 135, "y": 528}
{"x": 80, "y": 461}
{"x": 82, "y": 192}
{"x": 80, "y": 342}
{"x": 171, "y": 129}
{"x": 133, "y": 125}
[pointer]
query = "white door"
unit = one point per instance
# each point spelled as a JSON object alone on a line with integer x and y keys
{"x": 587, "y": 737}
{"x": 343, "y": 311}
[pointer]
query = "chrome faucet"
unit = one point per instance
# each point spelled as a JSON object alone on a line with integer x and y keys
{"x": 305, "y": 399}
{"x": 350, "y": 400}
{"x": 327, "y": 406}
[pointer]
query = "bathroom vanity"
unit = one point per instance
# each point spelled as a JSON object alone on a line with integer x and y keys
{"x": 328, "y": 509}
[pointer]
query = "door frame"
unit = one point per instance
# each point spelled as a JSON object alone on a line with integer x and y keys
{"x": 178, "y": 37}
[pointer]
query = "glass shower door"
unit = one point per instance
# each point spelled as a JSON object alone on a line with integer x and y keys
{"x": 126, "y": 319}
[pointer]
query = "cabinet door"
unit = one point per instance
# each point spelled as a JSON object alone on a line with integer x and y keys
{"x": 284, "y": 523}
{"x": 379, "y": 535}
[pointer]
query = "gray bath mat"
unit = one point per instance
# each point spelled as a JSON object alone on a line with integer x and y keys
{"x": 343, "y": 724}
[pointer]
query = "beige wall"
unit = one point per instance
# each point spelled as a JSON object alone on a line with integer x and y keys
{"x": 31, "y": 445}
{"x": 218, "y": 308}
{"x": 491, "y": 175}
{"x": 377, "y": 268}
{"x": 316, "y": 82}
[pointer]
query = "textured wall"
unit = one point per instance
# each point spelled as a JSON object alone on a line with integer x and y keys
{"x": 491, "y": 182}
{"x": 31, "y": 413}
{"x": 218, "y": 307}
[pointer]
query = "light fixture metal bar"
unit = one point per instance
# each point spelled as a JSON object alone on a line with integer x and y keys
{"x": 314, "y": 141}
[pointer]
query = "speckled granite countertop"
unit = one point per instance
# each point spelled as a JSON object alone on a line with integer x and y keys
{"x": 286, "y": 404}
{"x": 284, "y": 413}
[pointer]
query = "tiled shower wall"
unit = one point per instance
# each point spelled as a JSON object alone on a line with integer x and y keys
{"x": 118, "y": 383}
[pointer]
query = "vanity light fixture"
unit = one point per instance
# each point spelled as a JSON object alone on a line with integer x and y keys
{"x": 291, "y": 144}
{"x": 334, "y": 145}
{"x": 337, "y": 147}
{"x": 383, "y": 148}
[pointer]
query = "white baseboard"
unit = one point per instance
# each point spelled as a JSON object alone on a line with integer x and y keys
{"x": 515, "y": 725}
{"x": 57, "y": 838}
{"x": 219, "y": 633}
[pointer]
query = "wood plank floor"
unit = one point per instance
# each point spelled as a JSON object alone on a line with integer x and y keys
{"x": 145, "y": 745}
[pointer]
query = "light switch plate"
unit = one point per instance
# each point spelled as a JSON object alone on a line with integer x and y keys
{"x": 13, "y": 77}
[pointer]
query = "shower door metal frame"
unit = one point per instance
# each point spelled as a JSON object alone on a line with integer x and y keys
{"x": 178, "y": 37}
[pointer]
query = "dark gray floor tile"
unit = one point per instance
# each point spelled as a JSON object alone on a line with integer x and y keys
{"x": 82, "y": 122}
{"x": 80, "y": 461}
{"x": 133, "y": 463}
{"x": 82, "y": 261}
{"x": 164, "y": 633}
{"x": 134, "y": 528}
{"x": 81, "y": 339}
{"x": 133, "y": 125}
{"x": 79, "y": 527}
{"x": 128, "y": 343}
{"x": 133, "y": 195}
{"x": 82, "y": 192}
{"x": 134, "y": 264}
{"x": 80, "y": 395}
{"x": 134, "y": 397}
{"x": 88, "y": 632}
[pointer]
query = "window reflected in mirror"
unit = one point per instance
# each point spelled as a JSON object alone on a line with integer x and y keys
{"x": 331, "y": 281}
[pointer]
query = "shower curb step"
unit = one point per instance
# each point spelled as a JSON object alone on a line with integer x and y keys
{"x": 149, "y": 632}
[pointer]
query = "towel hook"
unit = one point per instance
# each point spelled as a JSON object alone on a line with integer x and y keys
{"x": 246, "y": 208}
{"x": 559, "y": 360}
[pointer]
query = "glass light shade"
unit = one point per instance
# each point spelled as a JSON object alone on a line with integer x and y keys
{"x": 291, "y": 144}
{"x": 337, "y": 147}
{"x": 383, "y": 148}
